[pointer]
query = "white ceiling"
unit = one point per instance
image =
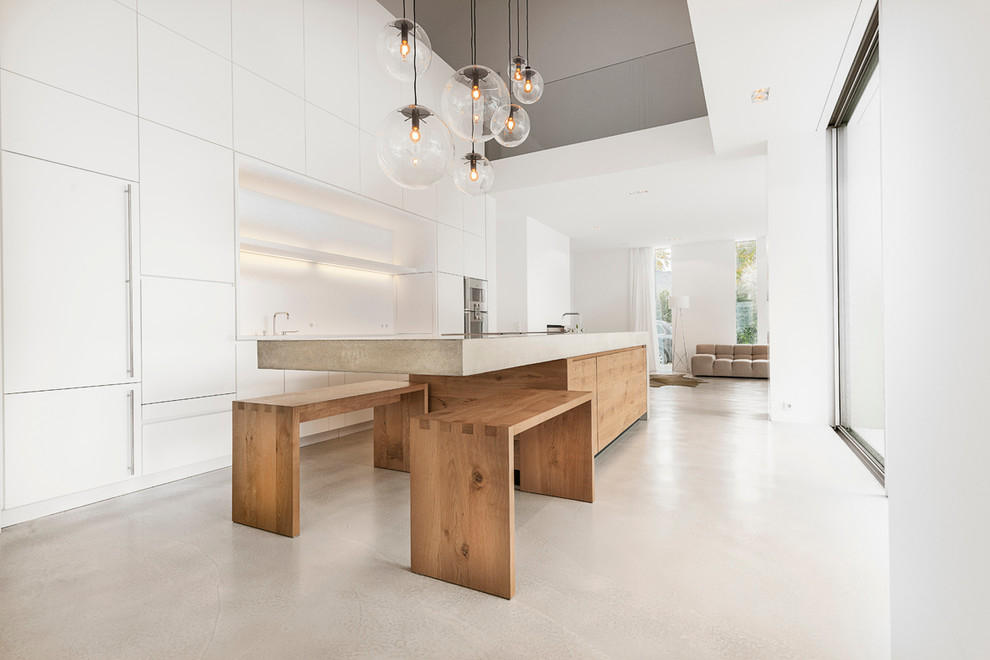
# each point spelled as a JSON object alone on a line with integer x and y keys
{"x": 707, "y": 178}
{"x": 697, "y": 196}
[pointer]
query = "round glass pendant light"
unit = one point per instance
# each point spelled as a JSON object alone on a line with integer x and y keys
{"x": 511, "y": 125}
{"x": 470, "y": 99}
{"x": 530, "y": 88}
{"x": 415, "y": 148}
{"x": 400, "y": 43}
{"x": 517, "y": 65}
{"x": 473, "y": 174}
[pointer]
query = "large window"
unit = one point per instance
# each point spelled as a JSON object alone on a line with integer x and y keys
{"x": 746, "y": 328}
{"x": 665, "y": 333}
{"x": 856, "y": 122}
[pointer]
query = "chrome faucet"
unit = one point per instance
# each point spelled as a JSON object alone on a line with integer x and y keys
{"x": 275, "y": 319}
{"x": 577, "y": 324}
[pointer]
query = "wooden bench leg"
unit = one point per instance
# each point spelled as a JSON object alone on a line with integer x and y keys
{"x": 557, "y": 457}
{"x": 265, "y": 468}
{"x": 462, "y": 505}
{"x": 392, "y": 430}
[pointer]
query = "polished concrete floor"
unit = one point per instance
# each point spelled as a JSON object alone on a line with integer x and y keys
{"x": 714, "y": 534}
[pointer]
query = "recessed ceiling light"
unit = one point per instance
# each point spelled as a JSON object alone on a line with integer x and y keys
{"x": 639, "y": 192}
{"x": 596, "y": 227}
{"x": 761, "y": 95}
{"x": 672, "y": 239}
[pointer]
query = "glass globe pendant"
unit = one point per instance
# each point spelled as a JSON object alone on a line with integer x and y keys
{"x": 470, "y": 99}
{"x": 511, "y": 125}
{"x": 400, "y": 43}
{"x": 414, "y": 147}
{"x": 516, "y": 67}
{"x": 530, "y": 88}
{"x": 474, "y": 174}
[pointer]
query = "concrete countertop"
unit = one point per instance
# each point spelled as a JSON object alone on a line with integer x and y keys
{"x": 454, "y": 356}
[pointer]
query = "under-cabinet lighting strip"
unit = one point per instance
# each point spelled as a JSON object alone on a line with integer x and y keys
{"x": 266, "y": 248}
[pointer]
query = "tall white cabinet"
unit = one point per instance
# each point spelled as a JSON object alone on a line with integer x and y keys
{"x": 72, "y": 381}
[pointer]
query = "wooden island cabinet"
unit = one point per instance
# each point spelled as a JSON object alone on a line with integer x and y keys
{"x": 616, "y": 379}
{"x": 612, "y": 366}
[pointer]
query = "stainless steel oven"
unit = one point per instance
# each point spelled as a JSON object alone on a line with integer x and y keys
{"x": 475, "y": 306}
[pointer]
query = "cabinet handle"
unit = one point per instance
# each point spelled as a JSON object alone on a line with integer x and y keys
{"x": 130, "y": 286}
{"x": 130, "y": 431}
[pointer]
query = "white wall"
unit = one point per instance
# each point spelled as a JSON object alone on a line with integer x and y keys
{"x": 534, "y": 274}
{"x": 600, "y": 289}
{"x": 935, "y": 237}
{"x": 548, "y": 271}
{"x": 799, "y": 245}
{"x": 706, "y": 272}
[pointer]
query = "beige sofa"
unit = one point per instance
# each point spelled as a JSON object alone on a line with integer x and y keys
{"x": 739, "y": 360}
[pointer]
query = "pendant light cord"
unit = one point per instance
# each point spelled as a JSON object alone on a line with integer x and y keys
{"x": 415, "y": 44}
{"x": 517, "y": 35}
{"x": 510, "y": 30}
{"x": 404, "y": 9}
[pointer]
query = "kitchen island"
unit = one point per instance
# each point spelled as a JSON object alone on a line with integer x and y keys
{"x": 612, "y": 366}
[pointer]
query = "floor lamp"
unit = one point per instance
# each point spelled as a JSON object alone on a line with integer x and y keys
{"x": 679, "y": 304}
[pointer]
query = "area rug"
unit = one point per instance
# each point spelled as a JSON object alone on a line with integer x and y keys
{"x": 660, "y": 380}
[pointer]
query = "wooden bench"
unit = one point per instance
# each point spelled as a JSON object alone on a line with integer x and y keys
{"x": 266, "y": 443}
{"x": 462, "y": 484}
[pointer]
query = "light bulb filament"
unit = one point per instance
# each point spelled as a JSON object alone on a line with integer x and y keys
{"x": 510, "y": 123}
{"x": 476, "y": 118}
{"x": 474, "y": 174}
{"x": 518, "y": 74}
{"x": 414, "y": 134}
{"x": 475, "y": 93}
{"x": 404, "y": 48}
{"x": 528, "y": 86}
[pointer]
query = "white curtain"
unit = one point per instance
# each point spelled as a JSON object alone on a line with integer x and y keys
{"x": 643, "y": 300}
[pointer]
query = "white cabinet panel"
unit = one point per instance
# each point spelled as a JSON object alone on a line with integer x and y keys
{"x": 450, "y": 250}
{"x": 269, "y": 122}
{"x": 67, "y": 321}
{"x": 450, "y": 303}
{"x": 380, "y": 93}
{"x": 207, "y": 22}
{"x": 187, "y": 206}
{"x": 88, "y": 47}
{"x": 474, "y": 214}
{"x": 474, "y": 256}
{"x": 421, "y": 202}
{"x": 414, "y": 310}
{"x": 333, "y": 149}
{"x": 297, "y": 381}
{"x": 67, "y": 441}
{"x": 374, "y": 183}
{"x": 182, "y": 433}
{"x": 450, "y": 203}
{"x": 331, "y": 47}
{"x": 183, "y": 85}
{"x": 268, "y": 40}
{"x": 253, "y": 382}
{"x": 42, "y": 121}
{"x": 188, "y": 336}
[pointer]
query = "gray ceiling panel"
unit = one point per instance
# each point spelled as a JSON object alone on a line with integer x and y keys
{"x": 610, "y": 67}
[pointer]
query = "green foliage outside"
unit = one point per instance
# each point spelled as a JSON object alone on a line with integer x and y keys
{"x": 746, "y": 325}
{"x": 663, "y": 306}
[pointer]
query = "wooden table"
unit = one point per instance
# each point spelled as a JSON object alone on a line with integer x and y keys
{"x": 266, "y": 443}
